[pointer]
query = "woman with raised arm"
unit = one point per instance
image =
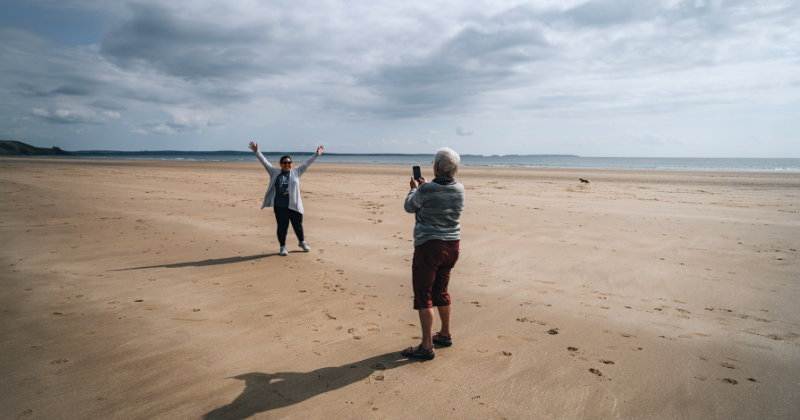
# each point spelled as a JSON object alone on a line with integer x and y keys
{"x": 283, "y": 195}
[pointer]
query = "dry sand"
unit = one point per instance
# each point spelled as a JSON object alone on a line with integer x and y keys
{"x": 151, "y": 290}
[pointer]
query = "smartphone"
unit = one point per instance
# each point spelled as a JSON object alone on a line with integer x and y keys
{"x": 417, "y": 173}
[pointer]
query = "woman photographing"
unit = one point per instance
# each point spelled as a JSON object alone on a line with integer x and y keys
{"x": 437, "y": 207}
{"x": 283, "y": 195}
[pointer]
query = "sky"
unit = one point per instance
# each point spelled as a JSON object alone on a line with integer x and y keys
{"x": 626, "y": 78}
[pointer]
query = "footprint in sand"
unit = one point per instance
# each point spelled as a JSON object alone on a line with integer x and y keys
{"x": 60, "y": 361}
{"x": 607, "y": 362}
{"x": 596, "y": 372}
{"x": 728, "y": 365}
{"x": 553, "y": 331}
{"x": 729, "y": 381}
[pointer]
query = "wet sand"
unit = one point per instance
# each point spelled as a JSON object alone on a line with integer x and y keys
{"x": 153, "y": 290}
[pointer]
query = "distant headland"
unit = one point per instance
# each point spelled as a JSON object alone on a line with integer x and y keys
{"x": 17, "y": 148}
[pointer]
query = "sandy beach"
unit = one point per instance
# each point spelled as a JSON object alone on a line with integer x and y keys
{"x": 154, "y": 290}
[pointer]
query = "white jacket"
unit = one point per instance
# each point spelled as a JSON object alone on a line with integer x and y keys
{"x": 295, "y": 203}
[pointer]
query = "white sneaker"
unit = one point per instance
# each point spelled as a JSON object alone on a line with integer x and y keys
{"x": 284, "y": 251}
{"x": 304, "y": 245}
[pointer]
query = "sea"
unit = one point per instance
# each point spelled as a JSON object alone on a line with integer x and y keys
{"x": 520, "y": 161}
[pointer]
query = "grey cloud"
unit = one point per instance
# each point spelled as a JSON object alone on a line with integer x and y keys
{"x": 71, "y": 91}
{"x": 612, "y": 12}
{"x": 184, "y": 66}
{"x": 158, "y": 37}
{"x": 33, "y": 90}
{"x": 481, "y": 57}
{"x": 108, "y": 104}
{"x": 64, "y": 90}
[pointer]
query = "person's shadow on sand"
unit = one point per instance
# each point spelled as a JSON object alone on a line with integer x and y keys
{"x": 265, "y": 391}
{"x": 203, "y": 263}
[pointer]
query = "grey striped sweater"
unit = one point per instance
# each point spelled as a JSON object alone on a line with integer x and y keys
{"x": 437, "y": 209}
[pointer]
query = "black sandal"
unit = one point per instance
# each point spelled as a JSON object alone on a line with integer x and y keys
{"x": 443, "y": 340}
{"x": 419, "y": 353}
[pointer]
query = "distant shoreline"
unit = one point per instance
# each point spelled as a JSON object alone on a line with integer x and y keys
{"x": 753, "y": 165}
{"x": 785, "y": 165}
{"x": 18, "y": 148}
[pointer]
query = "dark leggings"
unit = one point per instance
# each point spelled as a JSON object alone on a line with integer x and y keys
{"x": 283, "y": 215}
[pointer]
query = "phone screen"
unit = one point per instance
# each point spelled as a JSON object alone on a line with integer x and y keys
{"x": 417, "y": 173}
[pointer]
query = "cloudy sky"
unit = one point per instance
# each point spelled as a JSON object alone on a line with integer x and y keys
{"x": 703, "y": 78}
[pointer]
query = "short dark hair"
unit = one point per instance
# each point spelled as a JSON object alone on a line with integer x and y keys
{"x": 284, "y": 157}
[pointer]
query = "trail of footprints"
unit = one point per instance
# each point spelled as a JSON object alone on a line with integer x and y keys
{"x": 679, "y": 312}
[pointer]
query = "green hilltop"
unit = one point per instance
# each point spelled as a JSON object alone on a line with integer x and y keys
{"x": 18, "y": 148}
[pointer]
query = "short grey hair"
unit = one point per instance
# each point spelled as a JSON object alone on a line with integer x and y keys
{"x": 447, "y": 160}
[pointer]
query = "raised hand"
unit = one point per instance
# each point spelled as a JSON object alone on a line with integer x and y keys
{"x": 253, "y": 146}
{"x": 320, "y": 149}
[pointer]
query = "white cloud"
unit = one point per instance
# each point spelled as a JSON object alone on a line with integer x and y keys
{"x": 461, "y": 131}
{"x": 650, "y": 139}
{"x": 164, "y": 129}
{"x": 67, "y": 116}
{"x": 336, "y": 144}
{"x": 396, "y": 142}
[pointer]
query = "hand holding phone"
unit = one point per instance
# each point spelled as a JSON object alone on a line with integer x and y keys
{"x": 417, "y": 179}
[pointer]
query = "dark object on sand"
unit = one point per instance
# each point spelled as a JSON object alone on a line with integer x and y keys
{"x": 584, "y": 181}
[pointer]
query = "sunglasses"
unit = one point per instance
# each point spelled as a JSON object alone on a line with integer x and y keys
{"x": 286, "y": 163}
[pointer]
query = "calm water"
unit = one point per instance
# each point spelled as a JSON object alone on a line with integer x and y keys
{"x": 693, "y": 164}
